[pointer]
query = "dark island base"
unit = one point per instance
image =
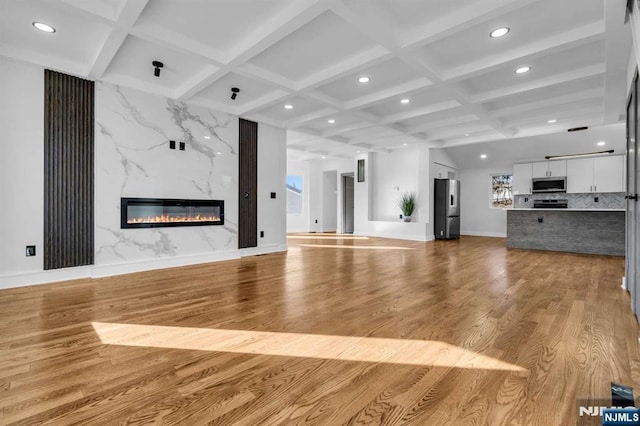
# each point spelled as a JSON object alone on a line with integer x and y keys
{"x": 591, "y": 232}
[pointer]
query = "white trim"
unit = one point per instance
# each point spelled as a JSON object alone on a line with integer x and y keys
{"x": 484, "y": 234}
{"x": 255, "y": 251}
{"x": 394, "y": 236}
{"x": 98, "y": 271}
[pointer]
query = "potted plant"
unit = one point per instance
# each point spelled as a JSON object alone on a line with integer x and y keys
{"x": 407, "y": 204}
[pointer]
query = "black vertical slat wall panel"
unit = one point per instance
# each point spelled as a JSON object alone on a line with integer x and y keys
{"x": 248, "y": 185}
{"x": 68, "y": 171}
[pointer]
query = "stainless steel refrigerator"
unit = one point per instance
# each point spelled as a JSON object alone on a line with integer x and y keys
{"x": 446, "y": 209}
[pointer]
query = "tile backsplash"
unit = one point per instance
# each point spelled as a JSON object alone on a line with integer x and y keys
{"x": 610, "y": 200}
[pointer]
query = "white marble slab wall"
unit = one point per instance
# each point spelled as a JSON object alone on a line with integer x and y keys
{"x": 133, "y": 159}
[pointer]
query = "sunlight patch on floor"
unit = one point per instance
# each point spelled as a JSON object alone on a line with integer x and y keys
{"x": 340, "y": 246}
{"x": 344, "y": 348}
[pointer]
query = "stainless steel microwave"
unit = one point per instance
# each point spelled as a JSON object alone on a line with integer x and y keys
{"x": 549, "y": 184}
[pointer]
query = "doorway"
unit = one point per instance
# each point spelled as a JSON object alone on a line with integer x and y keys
{"x": 632, "y": 250}
{"x": 347, "y": 203}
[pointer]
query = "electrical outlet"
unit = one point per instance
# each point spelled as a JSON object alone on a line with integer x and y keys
{"x": 273, "y": 195}
{"x": 30, "y": 251}
{"x": 261, "y": 234}
{"x": 596, "y": 199}
{"x": 526, "y": 199}
{"x": 400, "y": 216}
{"x": 316, "y": 220}
{"x": 172, "y": 144}
{"x": 182, "y": 146}
{"x": 540, "y": 219}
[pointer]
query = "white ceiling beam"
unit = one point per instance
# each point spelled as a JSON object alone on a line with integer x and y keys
{"x": 53, "y": 62}
{"x": 129, "y": 14}
{"x": 345, "y": 129}
{"x": 178, "y": 42}
{"x": 565, "y": 77}
{"x": 556, "y": 43}
{"x": 430, "y": 109}
{"x": 265, "y": 101}
{"x": 459, "y": 20}
{"x": 201, "y": 80}
{"x": 354, "y": 64}
{"x": 299, "y": 13}
{"x": 299, "y": 121}
{"x": 383, "y": 95}
{"x": 549, "y": 102}
{"x": 453, "y": 121}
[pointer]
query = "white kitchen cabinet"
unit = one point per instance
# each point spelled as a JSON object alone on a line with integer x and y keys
{"x": 608, "y": 174}
{"x": 599, "y": 174}
{"x": 549, "y": 168}
{"x": 521, "y": 183}
{"x": 580, "y": 175}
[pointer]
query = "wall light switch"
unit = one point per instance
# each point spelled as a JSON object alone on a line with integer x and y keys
{"x": 172, "y": 144}
{"x": 540, "y": 220}
{"x": 182, "y": 146}
{"x": 261, "y": 234}
{"x": 30, "y": 251}
{"x": 273, "y": 195}
{"x": 596, "y": 199}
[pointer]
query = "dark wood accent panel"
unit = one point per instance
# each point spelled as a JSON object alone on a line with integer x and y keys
{"x": 248, "y": 185}
{"x": 68, "y": 171}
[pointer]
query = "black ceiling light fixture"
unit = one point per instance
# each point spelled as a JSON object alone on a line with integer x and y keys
{"x": 157, "y": 65}
{"x": 234, "y": 93}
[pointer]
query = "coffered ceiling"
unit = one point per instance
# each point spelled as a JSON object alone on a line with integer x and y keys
{"x": 309, "y": 54}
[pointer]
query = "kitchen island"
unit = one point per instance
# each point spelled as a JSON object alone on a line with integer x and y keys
{"x": 592, "y": 231}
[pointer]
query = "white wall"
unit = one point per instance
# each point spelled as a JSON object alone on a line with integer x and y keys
{"x": 393, "y": 173}
{"x": 315, "y": 191}
{"x": 132, "y": 159}
{"x": 272, "y": 213}
{"x": 476, "y": 215}
{"x": 329, "y": 200}
{"x": 21, "y": 166}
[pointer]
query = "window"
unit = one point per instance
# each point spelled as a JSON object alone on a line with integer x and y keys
{"x": 501, "y": 195}
{"x": 294, "y": 195}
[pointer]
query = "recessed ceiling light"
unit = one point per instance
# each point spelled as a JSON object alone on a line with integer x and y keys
{"x": 364, "y": 79}
{"x": 324, "y": 156}
{"x": 43, "y": 27}
{"x": 404, "y": 144}
{"x": 483, "y": 155}
{"x": 466, "y": 134}
{"x": 552, "y": 121}
{"x": 358, "y": 151}
{"x": 522, "y": 70}
{"x": 331, "y": 121}
{"x": 499, "y": 32}
{"x": 218, "y": 153}
{"x": 601, "y": 143}
{"x": 288, "y": 106}
{"x": 207, "y": 137}
{"x": 405, "y": 101}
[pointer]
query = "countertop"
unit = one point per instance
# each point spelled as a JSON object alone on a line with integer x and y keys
{"x": 568, "y": 210}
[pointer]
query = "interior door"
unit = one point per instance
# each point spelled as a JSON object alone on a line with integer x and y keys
{"x": 348, "y": 204}
{"x": 632, "y": 251}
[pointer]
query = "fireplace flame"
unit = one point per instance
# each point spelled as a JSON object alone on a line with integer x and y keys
{"x": 173, "y": 219}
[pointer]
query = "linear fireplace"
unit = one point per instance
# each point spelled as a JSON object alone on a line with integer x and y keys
{"x": 164, "y": 212}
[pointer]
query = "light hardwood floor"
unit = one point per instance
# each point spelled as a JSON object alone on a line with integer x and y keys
{"x": 336, "y": 331}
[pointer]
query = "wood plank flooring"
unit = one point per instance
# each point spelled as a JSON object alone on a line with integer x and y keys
{"x": 336, "y": 331}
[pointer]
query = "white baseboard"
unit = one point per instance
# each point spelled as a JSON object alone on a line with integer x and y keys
{"x": 394, "y": 236}
{"x": 99, "y": 271}
{"x": 256, "y": 251}
{"x": 624, "y": 283}
{"x": 484, "y": 234}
